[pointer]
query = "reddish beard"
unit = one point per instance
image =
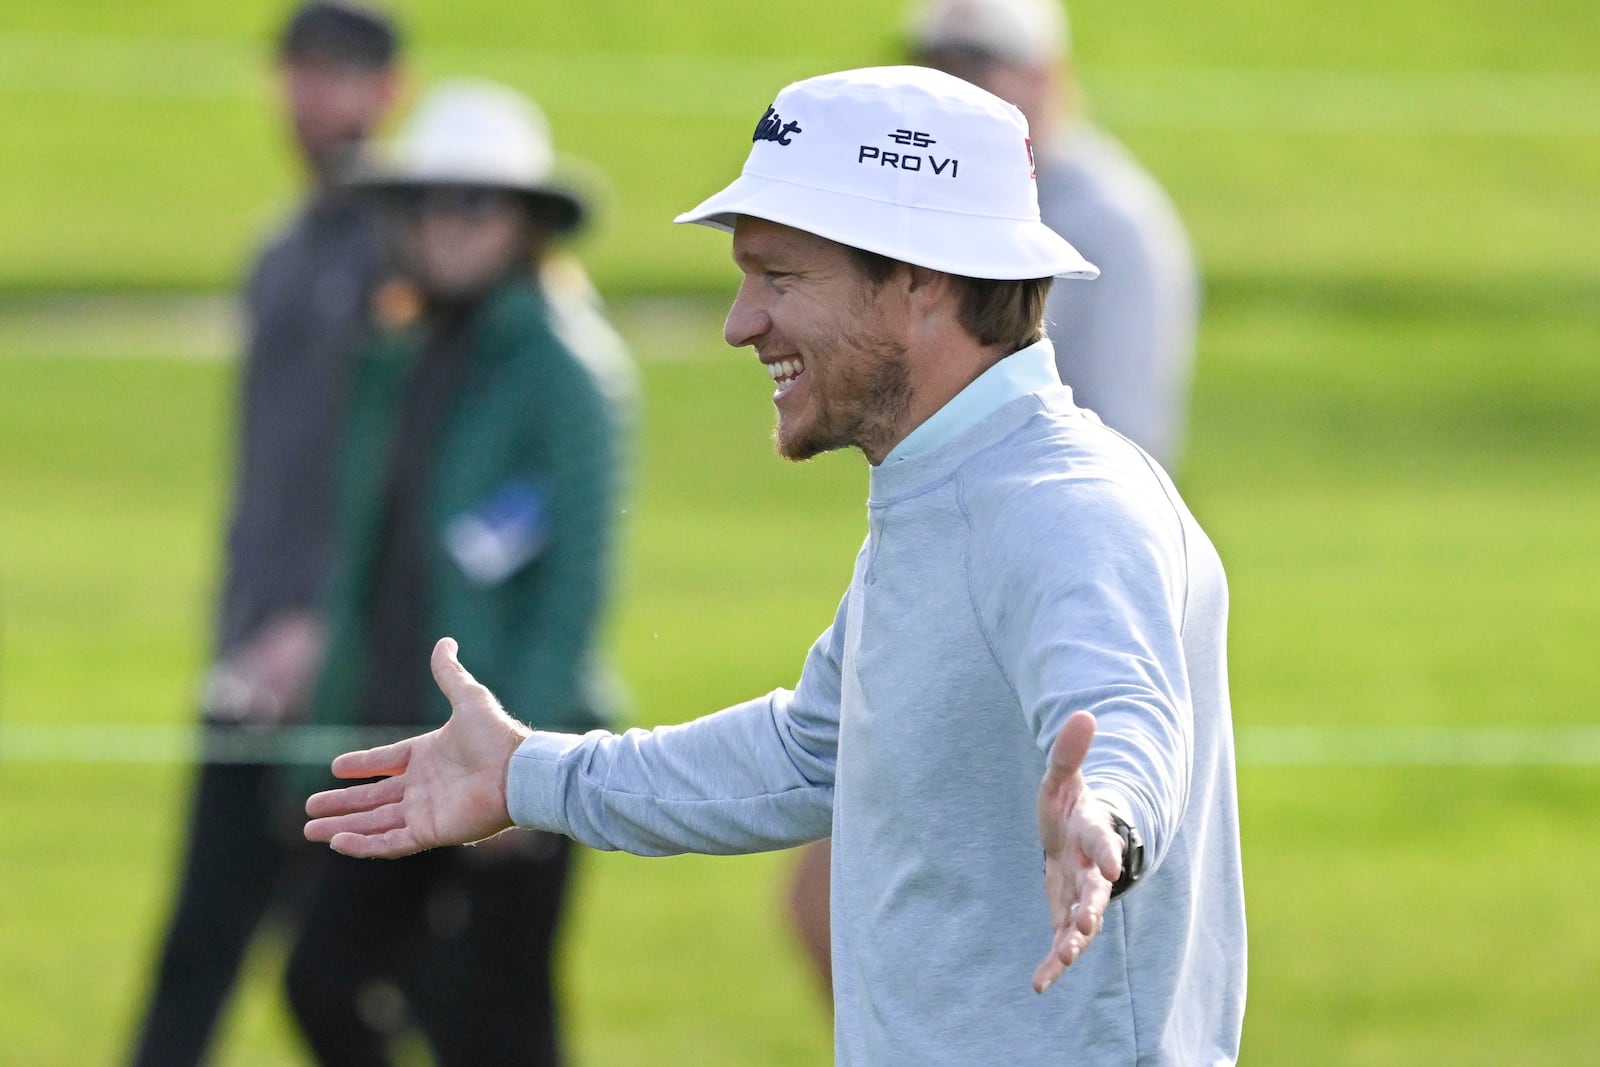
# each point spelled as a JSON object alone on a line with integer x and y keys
{"x": 860, "y": 395}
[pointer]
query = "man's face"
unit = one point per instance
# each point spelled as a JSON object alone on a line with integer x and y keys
{"x": 333, "y": 108}
{"x": 832, "y": 340}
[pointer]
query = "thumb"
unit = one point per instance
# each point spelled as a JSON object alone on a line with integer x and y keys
{"x": 454, "y": 681}
{"x": 1071, "y": 746}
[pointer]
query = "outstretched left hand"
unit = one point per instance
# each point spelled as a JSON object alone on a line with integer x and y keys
{"x": 1082, "y": 850}
{"x": 447, "y": 787}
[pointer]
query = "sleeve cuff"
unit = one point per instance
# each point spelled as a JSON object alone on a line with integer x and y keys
{"x": 1117, "y": 803}
{"x": 533, "y": 781}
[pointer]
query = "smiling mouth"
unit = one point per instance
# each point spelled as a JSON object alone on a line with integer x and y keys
{"x": 785, "y": 372}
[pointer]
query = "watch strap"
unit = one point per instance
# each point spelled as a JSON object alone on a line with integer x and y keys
{"x": 1132, "y": 855}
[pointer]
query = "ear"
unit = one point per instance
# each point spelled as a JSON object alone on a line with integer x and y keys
{"x": 394, "y": 85}
{"x": 924, "y": 282}
{"x": 926, "y": 288}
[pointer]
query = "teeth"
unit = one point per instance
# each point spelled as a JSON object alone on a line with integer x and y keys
{"x": 784, "y": 369}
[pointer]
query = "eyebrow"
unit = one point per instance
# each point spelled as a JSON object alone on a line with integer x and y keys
{"x": 751, "y": 258}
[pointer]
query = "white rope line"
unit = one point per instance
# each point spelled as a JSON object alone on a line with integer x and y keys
{"x": 1258, "y": 746}
{"x": 1459, "y": 103}
{"x": 1419, "y": 746}
{"x": 87, "y": 743}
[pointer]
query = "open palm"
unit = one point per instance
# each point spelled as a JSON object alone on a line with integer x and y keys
{"x": 1082, "y": 851}
{"x": 446, "y": 787}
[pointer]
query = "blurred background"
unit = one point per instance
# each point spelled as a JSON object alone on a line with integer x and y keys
{"x": 1394, "y": 443}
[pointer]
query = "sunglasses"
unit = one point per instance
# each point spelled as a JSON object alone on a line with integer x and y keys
{"x": 472, "y": 203}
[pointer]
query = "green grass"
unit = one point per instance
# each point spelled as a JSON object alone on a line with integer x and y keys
{"x": 1324, "y": 139}
{"x": 1393, "y": 445}
{"x": 1403, "y": 550}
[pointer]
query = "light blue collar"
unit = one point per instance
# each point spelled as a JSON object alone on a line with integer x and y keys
{"x": 1023, "y": 372}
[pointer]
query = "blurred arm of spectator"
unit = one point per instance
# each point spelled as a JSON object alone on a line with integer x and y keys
{"x": 268, "y": 679}
{"x": 305, "y": 310}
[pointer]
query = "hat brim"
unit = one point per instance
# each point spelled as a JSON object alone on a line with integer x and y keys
{"x": 564, "y": 205}
{"x": 972, "y": 246}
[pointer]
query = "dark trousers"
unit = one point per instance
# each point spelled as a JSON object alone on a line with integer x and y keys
{"x": 234, "y": 867}
{"x": 464, "y": 935}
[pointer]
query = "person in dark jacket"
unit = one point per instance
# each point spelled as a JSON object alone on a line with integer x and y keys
{"x": 478, "y": 492}
{"x": 306, "y": 309}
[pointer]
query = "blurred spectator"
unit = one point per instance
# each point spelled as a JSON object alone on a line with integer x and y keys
{"x": 306, "y": 304}
{"x": 1125, "y": 343}
{"x": 478, "y": 491}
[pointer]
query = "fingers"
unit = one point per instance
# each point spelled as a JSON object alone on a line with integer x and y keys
{"x": 385, "y": 846}
{"x": 354, "y": 798}
{"x": 1087, "y": 915}
{"x": 1084, "y": 895}
{"x": 1079, "y": 895}
{"x": 1047, "y": 973}
{"x": 1105, "y": 852}
{"x": 1071, "y": 939}
{"x": 365, "y": 823}
{"x": 1064, "y": 950}
{"x": 380, "y": 762}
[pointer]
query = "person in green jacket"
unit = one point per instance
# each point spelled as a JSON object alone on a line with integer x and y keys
{"x": 478, "y": 494}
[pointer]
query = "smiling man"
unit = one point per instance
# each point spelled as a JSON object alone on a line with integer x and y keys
{"x": 1017, "y": 727}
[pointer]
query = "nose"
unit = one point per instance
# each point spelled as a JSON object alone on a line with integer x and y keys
{"x": 747, "y": 318}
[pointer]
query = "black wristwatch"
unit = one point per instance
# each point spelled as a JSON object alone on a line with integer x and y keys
{"x": 1132, "y": 855}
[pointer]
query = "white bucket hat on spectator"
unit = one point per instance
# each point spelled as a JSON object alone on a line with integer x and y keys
{"x": 907, "y": 162}
{"x": 1011, "y": 31}
{"x": 477, "y": 133}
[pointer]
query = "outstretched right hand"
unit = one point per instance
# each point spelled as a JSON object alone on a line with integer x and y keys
{"x": 447, "y": 787}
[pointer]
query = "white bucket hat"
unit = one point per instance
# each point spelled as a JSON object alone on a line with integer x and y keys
{"x": 480, "y": 133}
{"x": 907, "y": 162}
{"x": 1013, "y": 31}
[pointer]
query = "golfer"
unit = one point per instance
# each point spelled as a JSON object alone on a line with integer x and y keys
{"x": 1031, "y": 651}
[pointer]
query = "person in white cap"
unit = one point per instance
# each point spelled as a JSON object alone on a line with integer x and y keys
{"x": 478, "y": 492}
{"x": 1017, "y": 727}
{"x": 1124, "y": 344}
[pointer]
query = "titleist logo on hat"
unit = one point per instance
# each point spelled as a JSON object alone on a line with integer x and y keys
{"x": 773, "y": 128}
{"x": 908, "y": 162}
